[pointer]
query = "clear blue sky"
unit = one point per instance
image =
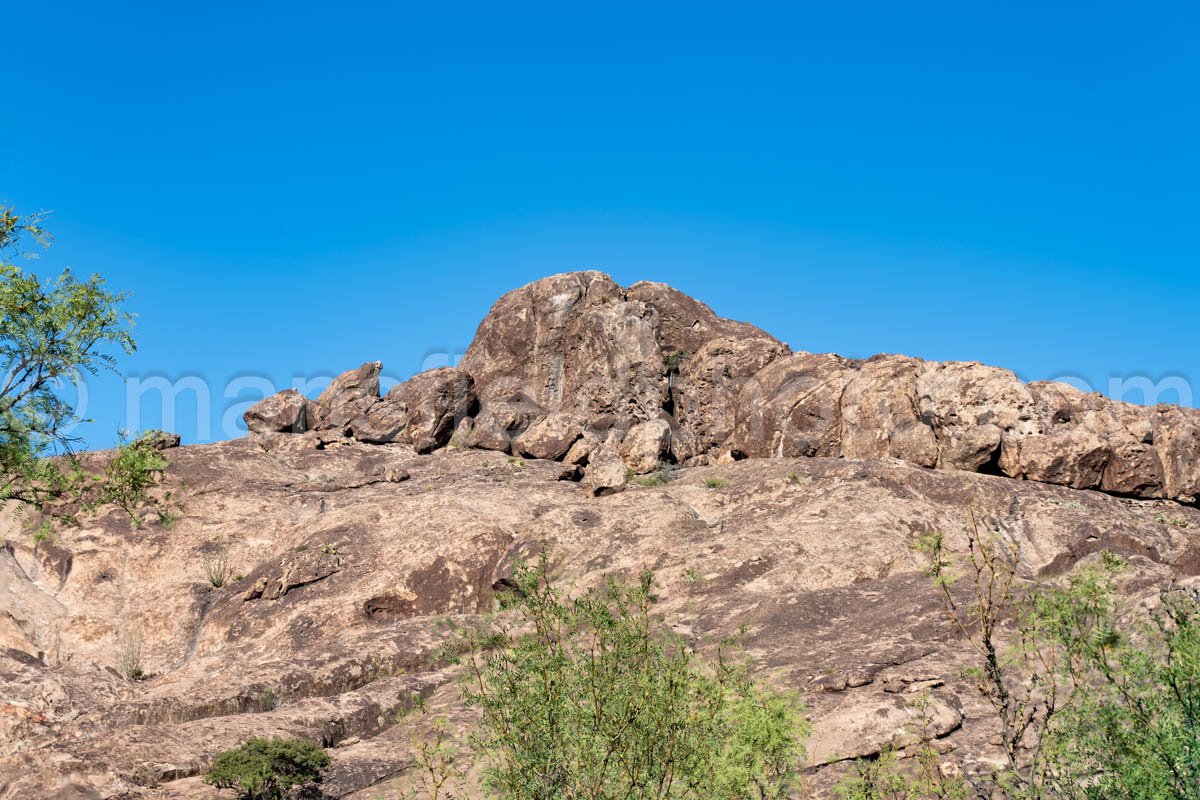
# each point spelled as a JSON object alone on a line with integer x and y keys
{"x": 294, "y": 188}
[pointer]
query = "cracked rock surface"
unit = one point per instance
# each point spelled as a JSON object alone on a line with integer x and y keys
{"x": 788, "y": 491}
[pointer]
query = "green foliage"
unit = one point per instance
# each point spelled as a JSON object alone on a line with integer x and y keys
{"x": 1090, "y": 708}
{"x": 587, "y": 699}
{"x": 53, "y": 331}
{"x": 437, "y": 768}
{"x": 136, "y": 468}
{"x": 923, "y": 778}
{"x": 1134, "y": 734}
{"x": 267, "y": 769}
{"x": 268, "y": 699}
{"x": 715, "y": 483}
{"x": 43, "y": 533}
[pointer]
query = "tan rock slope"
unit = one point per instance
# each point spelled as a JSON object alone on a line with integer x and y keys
{"x": 355, "y": 526}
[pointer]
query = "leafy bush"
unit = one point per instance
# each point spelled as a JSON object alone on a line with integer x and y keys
{"x": 1088, "y": 708}
{"x": 136, "y": 468}
{"x": 587, "y": 699}
{"x": 267, "y": 769}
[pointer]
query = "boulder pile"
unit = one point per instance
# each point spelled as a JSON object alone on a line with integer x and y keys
{"x": 575, "y": 368}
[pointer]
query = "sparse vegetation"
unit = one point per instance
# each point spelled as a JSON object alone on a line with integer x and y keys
{"x": 587, "y": 698}
{"x": 1089, "y": 708}
{"x": 714, "y": 483}
{"x": 268, "y": 699}
{"x": 437, "y": 767}
{"x": 665, "y": 473}
{"x": 43, "y": 533}
{"x": 1071, "y": 504}
{"x": 215, "y": 567}
{"x": 268, "y": 769}
{"x": 795, "y": 478}
{"x": 129, "y": 655}
{"x": 136, "y": 468}
{"x": 925, "y": 777}
{"x": 516, "y": 461}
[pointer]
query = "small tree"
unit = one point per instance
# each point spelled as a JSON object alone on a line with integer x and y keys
{"x": 53, "y": 332}
{"x": 267, "y": 769}
{"x": 587, "y": 699}
{"x": 1088, "y": 708}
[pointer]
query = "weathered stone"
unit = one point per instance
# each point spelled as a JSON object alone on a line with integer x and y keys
{"x": 550, "y": 437}
{"x": 436, "y": 400}
{"x": 705, "y": 384}
{"x": 160, "y": 440}
{"x": 348, "y": 396}
{"x": 605, "y": 473}
{"x": 499, "y": 423}
{"x": 582, "y": 449}
{"x": 792, "y": 407}
{"x": 383, "y": 422}
{"x": 581, "y": 344}
{"x": 283, "y": 412}
{"x": 646, "y": 446}
{"x": 865, "y": 725}
{"x": 295, "y": 570}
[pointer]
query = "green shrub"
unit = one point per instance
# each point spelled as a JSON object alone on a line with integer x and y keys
{"x": 587, "y": 698}
{"x": 1089, "y": 706}
{"x": 136, "y": 468}
{"x": 267, "y": 769}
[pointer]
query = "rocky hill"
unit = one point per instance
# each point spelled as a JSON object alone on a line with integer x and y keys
{"x": 622, "y": 428}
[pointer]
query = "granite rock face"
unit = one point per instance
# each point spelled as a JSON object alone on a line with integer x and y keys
{"x": 345, "y": 562}
{"x": 789, "y": 490}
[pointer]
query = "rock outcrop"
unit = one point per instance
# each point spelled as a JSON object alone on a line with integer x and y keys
{"x": 571, "y": 361}
{"x": 788, "y": 493}
{"x": 344, "y": 563}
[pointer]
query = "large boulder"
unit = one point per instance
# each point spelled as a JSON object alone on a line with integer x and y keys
{"x": 963, "y": 416}
{"x": 550, "y": 437}
{"x": 605, "y": 474}
{"x": 500, "y": 423}
{"x": 646, "y": 446}
{"x": 349, "y": 396}
{"x": 382, "y": 422}
{"x": 704, "y": 384}
{"x": 436, "y": 401}
{"x": 283, "y": 412}
{"x": 579, "y": 343}
{"x": 792, "y": 407}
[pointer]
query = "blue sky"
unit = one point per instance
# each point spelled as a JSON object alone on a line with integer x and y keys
{"x": 293, "y": 188}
